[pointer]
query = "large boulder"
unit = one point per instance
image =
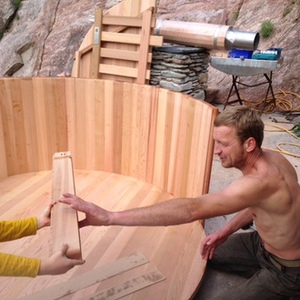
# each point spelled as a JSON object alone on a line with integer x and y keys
{"x": 41, "y": 37}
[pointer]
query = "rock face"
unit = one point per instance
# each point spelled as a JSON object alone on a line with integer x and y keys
{"x": 40, "y": 38}
{"x": 43, "y": 38}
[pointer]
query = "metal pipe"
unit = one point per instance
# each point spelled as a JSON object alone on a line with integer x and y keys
{"x": 209, "y": 36}
{"x": 241, "y": 40}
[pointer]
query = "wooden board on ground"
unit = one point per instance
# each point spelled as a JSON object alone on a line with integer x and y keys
{"x": 89, "y": 278}
{"x": 64, "y": 219}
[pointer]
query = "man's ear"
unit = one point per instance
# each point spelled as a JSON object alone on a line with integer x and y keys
{"x": 250, "y": 144}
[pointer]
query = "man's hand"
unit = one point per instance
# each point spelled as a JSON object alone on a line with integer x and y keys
{"x": 211, "y": 242}
{"x": 58, "y": 263}
{"x": 44, "y": 217}
{"x": 94, "y": 215}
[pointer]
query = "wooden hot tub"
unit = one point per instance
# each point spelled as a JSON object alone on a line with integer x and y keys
{"x": 132, "y": 145}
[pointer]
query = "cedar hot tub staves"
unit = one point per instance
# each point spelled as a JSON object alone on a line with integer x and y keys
{"x": 132, "y": 145}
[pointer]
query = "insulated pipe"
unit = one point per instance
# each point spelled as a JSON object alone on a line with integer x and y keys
{"x": 209, "y": 36}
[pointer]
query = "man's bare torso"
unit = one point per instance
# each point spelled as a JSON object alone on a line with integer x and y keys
{"x": 277, "y": 216}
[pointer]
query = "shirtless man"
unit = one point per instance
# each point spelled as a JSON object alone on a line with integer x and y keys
{"x": 268, "y": 193}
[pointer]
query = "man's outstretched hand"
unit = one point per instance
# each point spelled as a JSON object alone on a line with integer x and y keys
{"x": 94, "y": 215}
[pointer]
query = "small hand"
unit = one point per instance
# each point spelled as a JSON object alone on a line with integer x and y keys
{"x": 45, "y": 217}
{"x": 58, "y": 263}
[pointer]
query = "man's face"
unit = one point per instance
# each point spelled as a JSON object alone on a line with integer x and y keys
{"x": 228, "y": 147}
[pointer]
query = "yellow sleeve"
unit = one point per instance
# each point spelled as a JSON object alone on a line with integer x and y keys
{"x": 12, "y": 230}
{"x": 12, "y": 265}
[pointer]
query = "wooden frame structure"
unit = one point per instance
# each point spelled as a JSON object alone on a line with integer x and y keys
{"x": 118, "y": 46}
{"x": 132, "y": 145}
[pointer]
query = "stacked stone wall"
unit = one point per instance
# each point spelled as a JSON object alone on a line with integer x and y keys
{"x": 181, "y": 69}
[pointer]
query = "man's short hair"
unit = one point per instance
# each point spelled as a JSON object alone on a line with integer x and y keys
{"x": 245, "y": 120}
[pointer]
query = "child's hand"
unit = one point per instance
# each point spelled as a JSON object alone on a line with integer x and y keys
{"x": 44, "y": 217}
{"x": 58, "y": 263}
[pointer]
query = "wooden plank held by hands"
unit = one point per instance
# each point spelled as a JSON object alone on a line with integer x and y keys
{"x": 64, "y": 219}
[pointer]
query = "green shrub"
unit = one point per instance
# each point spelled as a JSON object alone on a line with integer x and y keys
{"x": 287, "y": 10}
{"x": 233, "y": 18}
{"x": 16, "y": 3}
{"x": 266, "y": 29}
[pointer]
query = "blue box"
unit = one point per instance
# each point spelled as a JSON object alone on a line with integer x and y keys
{"x": 239, "y": 53}
{"x": 269, "y": 54}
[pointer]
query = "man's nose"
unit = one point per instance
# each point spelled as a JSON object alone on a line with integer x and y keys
{"x": 217, "y": 150}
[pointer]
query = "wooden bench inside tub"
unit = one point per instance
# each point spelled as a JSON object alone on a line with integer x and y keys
{"x": 131, "y": 145}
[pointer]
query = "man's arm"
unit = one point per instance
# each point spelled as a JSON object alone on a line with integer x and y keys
{"x": 244, "y": 192}
{"x": 240, "y": 220}
{"x": 172, "y": 212}
{"x": 212, "y": 241}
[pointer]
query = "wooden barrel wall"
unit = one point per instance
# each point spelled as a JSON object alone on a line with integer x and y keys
{"x": 152, "y": 134}
{"x": 33, "y": 124}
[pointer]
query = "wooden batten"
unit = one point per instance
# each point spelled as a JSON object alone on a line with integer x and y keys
{"x": 96, "y": 48}
{"x": 64, "y": 219}
{"x": 144, "y": 49}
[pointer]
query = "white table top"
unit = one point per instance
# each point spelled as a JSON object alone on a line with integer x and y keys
{"x": 244, "y": 67}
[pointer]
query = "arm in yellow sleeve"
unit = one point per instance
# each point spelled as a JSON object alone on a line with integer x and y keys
{"x": 12, "y": 230}
{"x": 12, "y": 265}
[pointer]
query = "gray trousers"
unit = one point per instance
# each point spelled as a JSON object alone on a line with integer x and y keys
{"x": 244, "y": 254}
